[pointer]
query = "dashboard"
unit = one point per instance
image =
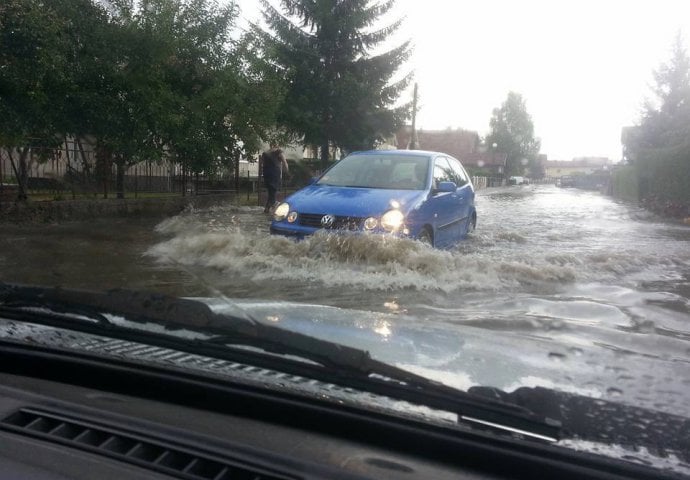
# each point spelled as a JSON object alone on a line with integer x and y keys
{"x": 66, "y": 416}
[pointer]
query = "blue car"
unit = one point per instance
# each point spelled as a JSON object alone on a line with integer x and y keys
{"x": 422, "y": 195}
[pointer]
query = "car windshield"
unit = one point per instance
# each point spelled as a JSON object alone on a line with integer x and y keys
{"x": 401, "y": 172}
{"x": 520, "y": 210}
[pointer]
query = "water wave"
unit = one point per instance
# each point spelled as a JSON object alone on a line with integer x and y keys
{"x": 237, "y": 247}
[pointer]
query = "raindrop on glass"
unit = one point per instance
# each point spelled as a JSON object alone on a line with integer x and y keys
{"x": 614, "y": 392}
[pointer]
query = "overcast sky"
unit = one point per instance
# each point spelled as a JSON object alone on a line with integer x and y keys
{"x": 583, "y": 66}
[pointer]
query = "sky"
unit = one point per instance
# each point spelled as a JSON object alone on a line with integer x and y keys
{"x": 584, "y": 67}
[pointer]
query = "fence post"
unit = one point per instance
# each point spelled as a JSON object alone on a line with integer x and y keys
{"x": 258, "y": 182}
{"x": 2, "y": 167}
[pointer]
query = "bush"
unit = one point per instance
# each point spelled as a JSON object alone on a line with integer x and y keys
{"x": 625, "y": 184}
{"x": 666, "y": 178}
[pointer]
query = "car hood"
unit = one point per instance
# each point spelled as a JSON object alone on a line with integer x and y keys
{"x": 525, "y": 366}
{"x": 461, "y": 355}
{"x": 433, "y": 348}
{"x": 466, "y": 358}
{"x": 351, "y": 201}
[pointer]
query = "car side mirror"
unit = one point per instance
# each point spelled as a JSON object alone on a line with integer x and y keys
{"x": 446, "y": 187}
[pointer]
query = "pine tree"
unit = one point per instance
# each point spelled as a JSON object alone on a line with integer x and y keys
{"x": 339, "y": 93}
{"x": 667, "y": 118}
{"x": 659, "y": 146}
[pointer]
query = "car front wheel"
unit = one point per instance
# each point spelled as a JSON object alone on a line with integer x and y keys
{"x": 472, "y": 224}
{"x": 426, "y": 237}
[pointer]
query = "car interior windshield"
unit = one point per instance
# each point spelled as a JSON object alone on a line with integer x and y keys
{"x": 408, "y": 172}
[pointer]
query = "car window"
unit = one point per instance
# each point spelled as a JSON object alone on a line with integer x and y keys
{"x": 404, "y": 172}
{"x": 347, "y": 172}
{"x": 442, "y": 171}
{"x": 409, "y": 174}
{"x": 458, "y": 172}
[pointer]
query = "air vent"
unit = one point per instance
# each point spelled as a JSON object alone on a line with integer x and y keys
{"x": 131, "y": 448}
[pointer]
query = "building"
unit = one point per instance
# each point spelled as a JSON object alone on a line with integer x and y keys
{"x": 461, "y": 144}
{"x": 493, "y": 163}
{"x": 576, "y": 166}
{"x": 455, "y": 142}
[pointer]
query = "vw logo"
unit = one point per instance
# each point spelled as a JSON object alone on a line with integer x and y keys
{"x": 327, "y": 221}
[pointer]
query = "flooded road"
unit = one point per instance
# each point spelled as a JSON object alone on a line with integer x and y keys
{"x": 534, "y": 245}
{"x": 593, "y": 295}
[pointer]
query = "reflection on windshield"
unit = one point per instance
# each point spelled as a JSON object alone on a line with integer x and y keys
{"x": 379, "y": 171}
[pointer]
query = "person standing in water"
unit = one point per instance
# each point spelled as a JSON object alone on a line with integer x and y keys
{"x": 273, "y": 164}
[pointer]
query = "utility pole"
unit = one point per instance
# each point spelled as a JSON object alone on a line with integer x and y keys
{"x": 414, "y": 141}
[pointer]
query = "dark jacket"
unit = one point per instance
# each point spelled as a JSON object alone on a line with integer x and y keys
{"x": 272, "y": 161}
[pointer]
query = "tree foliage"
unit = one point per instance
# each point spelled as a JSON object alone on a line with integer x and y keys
{"x": 659, "y": 146}
{"x": 147, "y": 79}
{"x": 339, "y": 90}
{"x": 512, "y": 133}
{"x": 34, "y": 71}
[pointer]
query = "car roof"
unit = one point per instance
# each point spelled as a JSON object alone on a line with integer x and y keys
{"x": 401, "y": 153}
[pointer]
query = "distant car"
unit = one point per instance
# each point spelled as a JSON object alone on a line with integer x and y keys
{"x": 567, "y": 181}
{"x": 422, "y": 195}
{"x": 518, "y": 181}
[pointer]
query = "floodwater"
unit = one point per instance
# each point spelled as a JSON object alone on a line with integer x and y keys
{"x": 557, "y": 287}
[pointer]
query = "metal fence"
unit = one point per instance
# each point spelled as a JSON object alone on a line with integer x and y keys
{"x": 72, "y": 172}
{"x": 480, "y": 182}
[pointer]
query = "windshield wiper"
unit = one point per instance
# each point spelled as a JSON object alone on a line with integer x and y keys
{"x": 225, "y": 337}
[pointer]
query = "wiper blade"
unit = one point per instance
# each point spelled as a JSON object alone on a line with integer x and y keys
{"x": 221, "y": 334}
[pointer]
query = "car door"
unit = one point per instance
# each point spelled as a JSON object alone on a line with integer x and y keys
{"x": 465, "y": 195}
{"x": 440, "y": 208}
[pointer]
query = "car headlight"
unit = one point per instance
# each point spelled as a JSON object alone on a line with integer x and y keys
{"x": 370, "y": 223}
{"x": 281, "y": 212}
{"x": 292, "y": 216}
{"x": 392, "y": 220}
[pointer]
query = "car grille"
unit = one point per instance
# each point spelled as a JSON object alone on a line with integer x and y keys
{"x": 340, "y": 223}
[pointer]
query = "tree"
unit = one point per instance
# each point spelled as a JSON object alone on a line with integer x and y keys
{"x": 660, "y": 145}
{"x": 32, "y": 74}
{"x": 169, "y": 98}
{"x": 196, "y": 93}
{"x": 148, "y": 79}
{"x": 338, "y": 93}
{"x": 512, "y": 133}
{"x": 95, "y": 50}
{"x": 672, "y": 90}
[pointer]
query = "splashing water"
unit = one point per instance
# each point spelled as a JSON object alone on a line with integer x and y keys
{"x": 531, "y": 252}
